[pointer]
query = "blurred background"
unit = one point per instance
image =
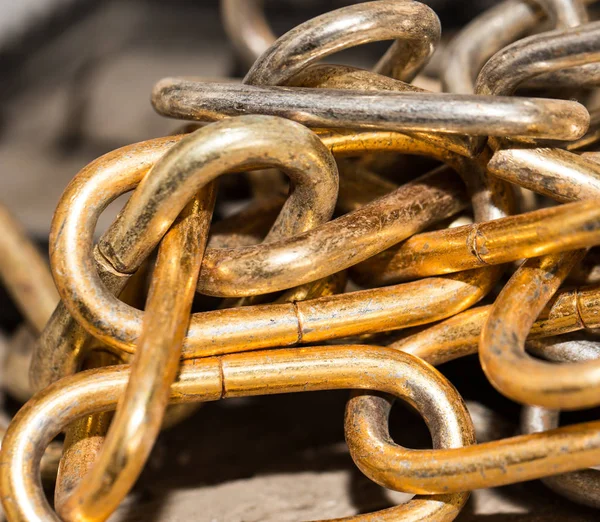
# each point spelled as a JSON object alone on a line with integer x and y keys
{"x": 75, "y": 84}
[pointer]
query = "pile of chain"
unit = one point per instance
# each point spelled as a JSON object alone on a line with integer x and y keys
{"x": 322, "y": 277}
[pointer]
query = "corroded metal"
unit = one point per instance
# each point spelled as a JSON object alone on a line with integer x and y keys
{"x": 487, "y": 464}
{"x": 396, "y": 111}
{"x": 413, "y": 195}
{"x": 235, "y": 375}
{"x": 502, "y": 350}
{"x": 579, "y": 486}
{"x": 141, "y": 409}
{"x": 545, "y": 231}
{"x": 414, "y": 25}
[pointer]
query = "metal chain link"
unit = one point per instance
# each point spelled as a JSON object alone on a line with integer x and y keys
{"x": 363, "y": 249}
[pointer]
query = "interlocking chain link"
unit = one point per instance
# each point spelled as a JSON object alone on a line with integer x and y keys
{"x": 367, "y": 245}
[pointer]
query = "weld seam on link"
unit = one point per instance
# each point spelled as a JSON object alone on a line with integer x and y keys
{"x": 299, "y": 321}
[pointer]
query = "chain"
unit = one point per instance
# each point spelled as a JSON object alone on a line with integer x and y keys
{"x": 362, "y": 271}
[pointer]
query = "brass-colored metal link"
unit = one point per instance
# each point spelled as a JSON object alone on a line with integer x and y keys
{"x": 370, "y": 210}
{"x": 545, "y": 231}
{"x": 502, "y": 350}
{"x": 141, "y": 408}
{"x": 487, "y": 464}
{"x": 236, "y": 375}
{"x": 132, "y": 163}
{"x": 64, "y": 339}
{"x": 579, "y": 486}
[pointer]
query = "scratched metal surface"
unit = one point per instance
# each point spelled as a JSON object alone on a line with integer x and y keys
{"x": 85, "y": 92}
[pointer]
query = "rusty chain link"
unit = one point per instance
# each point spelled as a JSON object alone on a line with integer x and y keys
{"x": 404, "y": 208}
